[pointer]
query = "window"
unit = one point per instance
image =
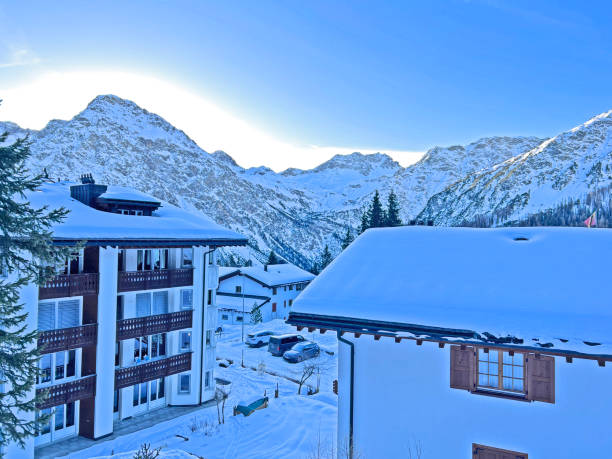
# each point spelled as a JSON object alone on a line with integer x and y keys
{"x": 290, "y": 302}
{"x": 62, "y": 314}
{"x": 121, "y": 260}
{"x": 160, "y": 303}
{"x": 187, "y": 258}
{"x": 488, "y": 452}
{"x": 273, "y": 290}
{"x": 151, "y": 304}
{"x": 120, "y": 302}
{"x": 209, "y": 300}
{"x": 187, "y": 299}
{"x": 273, "y": 307}
{"x": 503, "y": 373}
{"x": 285, "y": 288}
{"x": 238, "y": 289}
{"x": 184, "y": 384}
{"x": 185, "y": 341}
{"x": 239, "y": 319}
{"x": 116, "y": 401}
{"x": 291, "y": 287}
{"x": 224, "y": 317}
{"x": 207, "y": 379}
{"x": 57, "y": 366}
{"x": 143, "y": 304}
{"x": 284, "y": 303}
{"x": 151, "y": 259}
{"x": 211, "y": 258}
{"x": 208, "y": 337}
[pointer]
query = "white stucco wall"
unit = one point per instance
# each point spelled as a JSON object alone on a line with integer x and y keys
{"x": 403, "y": 398}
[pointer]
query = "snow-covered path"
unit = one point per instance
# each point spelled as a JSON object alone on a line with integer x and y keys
{"x": 291, "y": 426}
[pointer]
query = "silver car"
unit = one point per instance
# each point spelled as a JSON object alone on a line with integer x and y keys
{"x": 302, "y": 351}
{"x": 258, "y": 339}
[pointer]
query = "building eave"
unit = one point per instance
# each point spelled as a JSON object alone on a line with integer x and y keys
{"x": 419, "y": 333}
{"x": 129, "y": 243}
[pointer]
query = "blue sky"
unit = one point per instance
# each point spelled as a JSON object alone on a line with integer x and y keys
{"x": 388, "y": 76}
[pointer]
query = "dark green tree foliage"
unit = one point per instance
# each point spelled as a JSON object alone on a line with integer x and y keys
{"x": 273, "y": 258}
{"x": 365, "y": 221}
{"x": 393, "y": 209}
{"x": 28, "y": 256}
{"x": 256, "y": 316}
{"x": 377, "y": 213}
{"x": 348, "y": 238}
{"x": 326, "y": 258}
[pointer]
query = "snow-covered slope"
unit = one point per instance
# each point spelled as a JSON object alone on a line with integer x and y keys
{"x": 295, "y": 212}
{"x": 566, "y": 166}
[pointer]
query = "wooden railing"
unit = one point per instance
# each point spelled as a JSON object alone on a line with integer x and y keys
{"x": 130, "y": 281}
{"x": 125, "y": 377}
{"x": 149, "y": 325}
{"x": 62, "y": 339}
{"x": 69, "y": 285}
{"x": 68, "y": 392}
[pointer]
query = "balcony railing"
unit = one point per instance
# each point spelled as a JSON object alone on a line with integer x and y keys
{"x": 125, "y": 377}
{"x": 63, "y": 339}
{"x": 149, "y": 325}
{"x": 68, "y": 392}
{"x": 130, "y": 281}
{"x": 69, "y": 285}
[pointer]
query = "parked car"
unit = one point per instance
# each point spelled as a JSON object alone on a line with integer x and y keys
{"x": 279, "y": 344}
{"x": 258, "y": 339}
{"x": 302, "y": 351}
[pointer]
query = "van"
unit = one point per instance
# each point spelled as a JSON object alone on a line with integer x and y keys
{"x": 279, "y": 344}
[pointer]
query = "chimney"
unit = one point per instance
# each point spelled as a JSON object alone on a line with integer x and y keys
{"x": 87, "y": 192}
{"x": 266, "y": 267}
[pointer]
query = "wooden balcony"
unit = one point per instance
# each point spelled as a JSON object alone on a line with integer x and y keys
{"x": 149, "y": 325}
{"x": 125, "y": 377}
{"x": 68, "y": 392}
{"x": 69, "y": 285}
{"x": 63, "y": 339}
{"x": 130, "y": 281}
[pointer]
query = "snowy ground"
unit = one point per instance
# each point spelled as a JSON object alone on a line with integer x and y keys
{"x": 293, "y": 426}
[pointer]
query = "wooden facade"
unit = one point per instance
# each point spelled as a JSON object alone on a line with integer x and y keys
{"x": 130, "y": 281}
{"x": 63, "y": 339}
{"x": 128, "y": 376}
{"x": 67, "y": 285}
{"x": 68, "y": 392}
{"x": 149, "y": 325}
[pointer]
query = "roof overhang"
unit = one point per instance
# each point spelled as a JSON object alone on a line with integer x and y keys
{"x": 420, "y": 334}
{"x": 150, "y": 243}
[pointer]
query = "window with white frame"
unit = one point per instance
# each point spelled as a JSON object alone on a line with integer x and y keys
{"x": 184, "y": 384}
{"x": 187, "y": 299}
{"x": 58, "y": 314}
{"x": 57, "y": 366}
{"x": 149, "y": 347}
{"x": 207, "y": 380}
{"x": 208, "y": 337}
{"x": 151, "y": 303}
{"x": 224, "y": 317}
{"x": 185, "y": 341}
{"x": 187, "y": 258}
{"x": 238, "y": 289}
{"x": 211, "y": 258}
{"x": 151, "y": 259}
{"x": 500, "y": 370}
{"x": 209, "y": 299}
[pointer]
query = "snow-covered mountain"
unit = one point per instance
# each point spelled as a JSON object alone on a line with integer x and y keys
{"x": 568, "y": 166}
{"x": 295, "y": 212}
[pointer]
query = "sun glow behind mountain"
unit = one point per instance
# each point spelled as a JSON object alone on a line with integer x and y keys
{"x": 61, "y": 94}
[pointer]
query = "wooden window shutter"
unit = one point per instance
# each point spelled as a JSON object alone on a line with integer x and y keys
{"x": 540, "y": 378}
{"x": 462, "y": 368}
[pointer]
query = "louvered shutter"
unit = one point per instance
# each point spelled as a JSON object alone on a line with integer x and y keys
{"x": 46, "y": 316}
{"x": 541, "y": 378}
{"x": 187, "y": 299}
{"x": 68, "y": 314}
{"x": 160, "y": 303}
{"x": 462, "y": 368}
{"x": 143, "y": 304}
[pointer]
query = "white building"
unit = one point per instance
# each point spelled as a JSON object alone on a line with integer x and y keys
{"x": 481, "y": 343}
{"x": 271, "y": 288}
{"x": 128, "y": 326}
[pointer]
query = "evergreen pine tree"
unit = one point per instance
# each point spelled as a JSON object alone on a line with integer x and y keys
{"x": 348, "y": 238}
{"x": 326, "y": 258}
{"x": 256, "y": 314}
{"x": 365, "y": 221}
{"x": 273, "y": 258}
{"x": 377, "y": 213}
{"x": 27, "y": 256}
{"x": 392, "y": 217}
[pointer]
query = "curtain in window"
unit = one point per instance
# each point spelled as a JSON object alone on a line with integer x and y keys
{"x": 68, "y": 314}
{"x": 160, "y": 302}
{"x": 143, "y": 304}
{"x": 46, "y": 316}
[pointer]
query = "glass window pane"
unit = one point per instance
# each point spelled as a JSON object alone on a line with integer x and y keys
{"x": 144, "y": 348}
{"x": 71, "y": 367}
{"x": 187, "y": 257}
{"x": 518, "y": 372}
{"x": 518, "y": 384}
{"x": 162, "y": 344}
{"x": 161, "y": 393}
{"x": 60, "y": 358}
{"x": 135, "y": 397}
{"x": 518, "y": 359}
{"x": 493, "y": 356}
{"x": 483, "y": 380}
{"x": 483, "y": 367}
{"x": 45, "y": 365}
{"x": 507, "y": 383}
{"x": 493, "y": 381}
{"x": 59, "y": 417}
{"x": 143, "y": 392}
{"x": 70, "y": 414}
{"x": 147, "y": 262}
{"x": 154, "y": 345}
{"x": 507, "y": 370}
{"x": 136, "y": 349}
{"x": 154, "y": 390}
{"x": 46, "y": 428}
{"x": 507, "y": 358}
{"x": 139, "y": 263}
{"x": 143, "y": 304}
{"x": 493, "y": 369}
{"x": 156, "y": 259}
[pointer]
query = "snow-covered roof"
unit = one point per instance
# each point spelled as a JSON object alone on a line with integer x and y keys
{"x": 169, "y": 223}
{"x": 547, "y": 286}
{"x": 275, "y": 275}
{"x": 122, "y": 193}
{"x": 235, "y": 302}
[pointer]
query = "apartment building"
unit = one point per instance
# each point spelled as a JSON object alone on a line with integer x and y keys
{"x": 127, "y": 325}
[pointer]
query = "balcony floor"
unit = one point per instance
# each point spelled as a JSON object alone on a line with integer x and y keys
{"x": 127, "y": 426}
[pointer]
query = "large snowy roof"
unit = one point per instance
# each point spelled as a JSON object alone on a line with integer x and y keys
{"x": 275, "y": 275}
{"x": 122, "y": 193}
{"x": 168, "y": 224}
{"x": 547, "y": 286}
